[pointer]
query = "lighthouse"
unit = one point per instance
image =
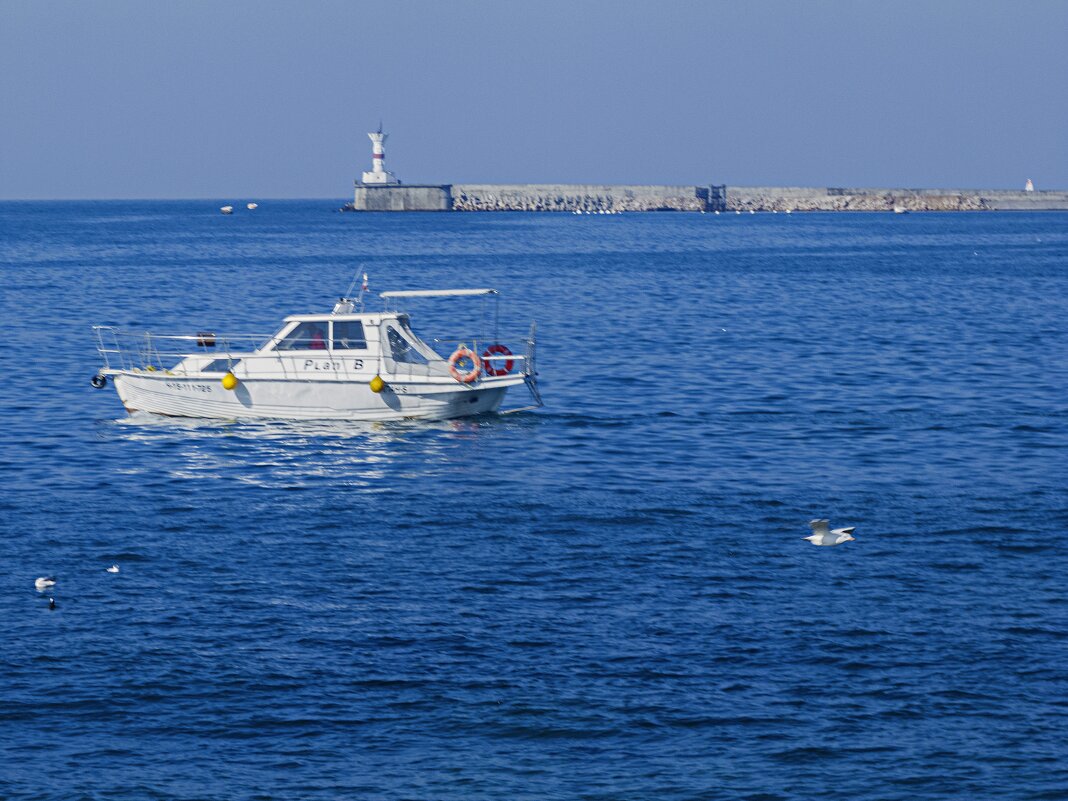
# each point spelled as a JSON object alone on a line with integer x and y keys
{"x": 378, "y": 174}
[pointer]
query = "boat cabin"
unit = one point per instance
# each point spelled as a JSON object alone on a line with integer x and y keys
{"x": 385, "y": 336}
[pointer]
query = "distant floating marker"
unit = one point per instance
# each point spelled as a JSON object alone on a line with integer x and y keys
{"x": 252, "y": 206}
{"x": 227, "y": 209}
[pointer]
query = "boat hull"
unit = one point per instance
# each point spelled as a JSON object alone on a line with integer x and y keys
{"x": 177, "y": 396}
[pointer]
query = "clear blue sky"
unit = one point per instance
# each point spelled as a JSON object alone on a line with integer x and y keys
{"x": 229, "y": 98}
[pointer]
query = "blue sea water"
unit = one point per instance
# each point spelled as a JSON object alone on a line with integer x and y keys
{"x": 609, "y": 598}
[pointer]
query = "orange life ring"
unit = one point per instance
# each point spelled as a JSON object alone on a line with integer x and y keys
{"x": 498, "y": 350}
{"x": 461, "y": 353}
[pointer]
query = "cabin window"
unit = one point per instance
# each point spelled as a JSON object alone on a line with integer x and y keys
{"x": 348, "y": 335}
{"x": 306, "y": 336}
{"x": 220, "y": 366}
{"x": 401, "y": 349}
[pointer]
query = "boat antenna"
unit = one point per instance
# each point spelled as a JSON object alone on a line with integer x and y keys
{"x": 352, "y": 286}
{"x": 363, "y": 288}
{"x": 347, "y": 302}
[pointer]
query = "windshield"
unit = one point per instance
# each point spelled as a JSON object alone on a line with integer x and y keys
{"x": 401, "y": 348}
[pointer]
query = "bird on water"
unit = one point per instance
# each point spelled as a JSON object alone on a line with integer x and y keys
{"x": 51, "y": 603}
{"x": 44, "y": 582}
{"x": 822, "y": 535}
{"x": 113, "y": 569}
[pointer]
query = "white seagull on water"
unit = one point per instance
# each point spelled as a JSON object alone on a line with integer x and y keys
{"x": 821, "y": 535}
{"x": 112, "y": 569}
{"x": 44, "y": 582}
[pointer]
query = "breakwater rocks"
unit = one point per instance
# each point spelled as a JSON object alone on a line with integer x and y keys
{"x": 797, "y": 198}
{"x": 608, "y": 198}
{"x": 591, "y": 198}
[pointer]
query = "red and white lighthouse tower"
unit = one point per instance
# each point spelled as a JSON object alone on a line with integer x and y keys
{"x": 378, "y": 173}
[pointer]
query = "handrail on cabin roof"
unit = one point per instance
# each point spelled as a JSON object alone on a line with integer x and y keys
{"x": 436, "y": 293}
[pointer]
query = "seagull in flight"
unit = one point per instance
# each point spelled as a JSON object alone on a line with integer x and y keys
{"x": 821, "y": 535}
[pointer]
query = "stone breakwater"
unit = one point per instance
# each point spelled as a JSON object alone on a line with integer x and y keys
{"x": 591, "y": 198}
{"x": 608, "y": 198}
{"x": 777, "y": 198}
{"x": 529, "y": 197}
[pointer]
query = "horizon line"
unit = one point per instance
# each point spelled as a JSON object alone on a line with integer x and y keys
{"x": 256, "y": 198}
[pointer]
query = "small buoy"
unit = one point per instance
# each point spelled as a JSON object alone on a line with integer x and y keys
{"x": 113, "y": 569}
{"x": 229, "y": 381}
{"x": 377, "y": 384}
{"x": 99, "y": 381}
{"x": 252, "y": 206}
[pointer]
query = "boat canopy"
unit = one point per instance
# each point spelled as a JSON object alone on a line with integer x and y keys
{"x": 436, "y": 293}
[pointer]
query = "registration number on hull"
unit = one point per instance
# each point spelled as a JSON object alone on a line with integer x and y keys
{"x": 183, "y": 386}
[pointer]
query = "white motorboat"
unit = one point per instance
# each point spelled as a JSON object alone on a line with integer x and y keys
{"x": 349, "y": 364}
